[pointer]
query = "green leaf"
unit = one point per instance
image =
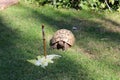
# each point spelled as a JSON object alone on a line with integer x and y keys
{"x": 112, "y": 1}
{"x": 102, "y": 5}
{"x": 118, "y": 9}
{"x": 84, "y": 6}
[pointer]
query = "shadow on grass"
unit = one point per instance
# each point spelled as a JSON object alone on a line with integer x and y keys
{"x": 111, "y": 21}
{"x": 12, "y": 57}
{"x": 7, "y": 37}
{"x": 9, "y": 53}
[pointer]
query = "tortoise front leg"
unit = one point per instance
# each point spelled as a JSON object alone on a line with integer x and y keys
{"x": 54, "y": 46}
{"x": 66, "y": 46}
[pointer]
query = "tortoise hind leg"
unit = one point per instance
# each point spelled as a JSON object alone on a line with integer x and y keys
{"x": 66, "y": 46}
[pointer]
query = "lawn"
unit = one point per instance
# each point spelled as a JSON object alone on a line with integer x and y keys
{"x": 95, "y": 55}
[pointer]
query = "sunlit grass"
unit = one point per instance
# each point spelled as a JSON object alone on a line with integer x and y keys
{"x": 95, "y": 55}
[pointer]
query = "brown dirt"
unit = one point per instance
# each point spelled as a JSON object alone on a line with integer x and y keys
{"x": 6, "y": 3}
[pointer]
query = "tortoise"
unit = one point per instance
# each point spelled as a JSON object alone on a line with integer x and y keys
{"x": 62, "y": 39}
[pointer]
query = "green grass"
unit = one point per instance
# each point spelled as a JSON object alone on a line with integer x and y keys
{"x": 95, "y": 55}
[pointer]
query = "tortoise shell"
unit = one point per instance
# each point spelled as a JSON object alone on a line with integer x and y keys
{"x": 63, "y": 38}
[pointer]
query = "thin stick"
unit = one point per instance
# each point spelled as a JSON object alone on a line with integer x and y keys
{"x": 44, "y": 41}
{"x": 108, "y": 5}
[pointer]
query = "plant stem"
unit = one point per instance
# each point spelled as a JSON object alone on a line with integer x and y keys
{"x": 108, "y": 5}
{"x": 44, "y": 41}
